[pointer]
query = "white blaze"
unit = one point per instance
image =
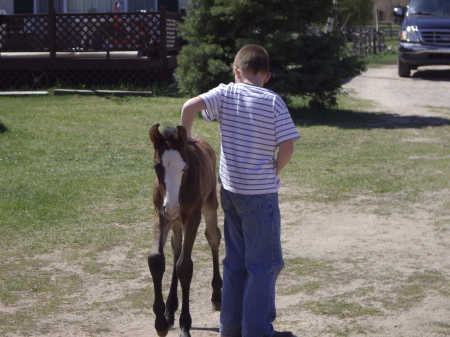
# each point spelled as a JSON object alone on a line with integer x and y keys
{"x": 173, "y": 165}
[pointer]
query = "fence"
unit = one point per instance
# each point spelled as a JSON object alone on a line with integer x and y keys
{"x": 145, "y": 32}
{"x": 83, "y": 41}
{"x": 363, "y": 41}
{"x": 388, "y": 28}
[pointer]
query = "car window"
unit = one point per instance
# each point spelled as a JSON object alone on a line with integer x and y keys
{"x": 446, "y": 7}
{"x": 429, "y": 7}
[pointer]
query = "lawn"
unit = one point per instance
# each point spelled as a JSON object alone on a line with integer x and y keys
{"x": 69, "y": 162}
{"x": 77, "y": 175}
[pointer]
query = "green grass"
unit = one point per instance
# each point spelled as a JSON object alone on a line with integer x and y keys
{"x": 76, "y": 177}
{"x": 388, "y": 56}
{"x": 344, "y": 153}
{"x": 341, "y": 309}
{"x": 414, "y": 289}
{"x": 71, "y": 162}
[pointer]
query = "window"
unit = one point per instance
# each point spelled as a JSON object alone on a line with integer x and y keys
{"x": 41, "y": 6}
{"x": 86, "y": 6}
{"x": 137, "y": 5}
{"x": 426, "y": 7}
{"x": 83, "y": 6}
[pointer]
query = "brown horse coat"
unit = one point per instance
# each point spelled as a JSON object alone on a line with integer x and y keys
{"x": 184, "y": 189}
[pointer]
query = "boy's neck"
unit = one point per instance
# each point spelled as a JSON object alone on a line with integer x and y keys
{"x": 253, "y": 82}
{"x": 258, "y": 79}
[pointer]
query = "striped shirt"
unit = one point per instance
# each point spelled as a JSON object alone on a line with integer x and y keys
{"x": 253, "y": 122}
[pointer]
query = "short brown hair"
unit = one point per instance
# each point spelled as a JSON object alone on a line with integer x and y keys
{"x": 252, "y": 58}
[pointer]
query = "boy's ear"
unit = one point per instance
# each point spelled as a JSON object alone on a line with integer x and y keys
{"x": 268, "y": 76}
{"x": 237, "y": 72}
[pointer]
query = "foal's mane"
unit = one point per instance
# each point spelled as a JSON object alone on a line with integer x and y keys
{"x": 170, "y": 134}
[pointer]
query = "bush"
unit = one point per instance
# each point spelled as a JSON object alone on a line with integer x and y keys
{"x": 303, "y": 62}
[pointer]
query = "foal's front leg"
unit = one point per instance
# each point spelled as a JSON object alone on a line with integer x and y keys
{"x": 172, "y": 299}
{"x": 185, "y": 269}
{"x": 157, "y": 265}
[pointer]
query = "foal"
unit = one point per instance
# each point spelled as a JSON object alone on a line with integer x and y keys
{"x": 184, "y": 189}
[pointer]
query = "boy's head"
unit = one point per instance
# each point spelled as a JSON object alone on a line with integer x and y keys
{"x": 252, "y": 59}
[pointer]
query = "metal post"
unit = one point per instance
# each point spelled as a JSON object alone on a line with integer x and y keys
{"x": 163, "y": 42}
{"x": 52, "y": 28}
{"x": 375, "y": 36}
{"x": 375, "y": 15}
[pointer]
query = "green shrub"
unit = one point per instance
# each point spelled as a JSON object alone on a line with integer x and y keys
{"x": 304, "y": 61}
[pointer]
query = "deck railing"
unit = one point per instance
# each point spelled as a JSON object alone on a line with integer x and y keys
{"x": 152, "y": 34}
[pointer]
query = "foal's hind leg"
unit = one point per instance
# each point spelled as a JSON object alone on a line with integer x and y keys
{"x": 214, "y": 236}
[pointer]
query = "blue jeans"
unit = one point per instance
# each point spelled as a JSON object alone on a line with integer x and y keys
{"x": 252, "y": 263}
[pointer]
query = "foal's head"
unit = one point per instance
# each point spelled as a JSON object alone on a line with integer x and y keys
{"x": 170, "y": 165}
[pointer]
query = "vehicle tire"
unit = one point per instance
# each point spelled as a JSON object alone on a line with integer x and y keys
{"x": 404, "y": 70}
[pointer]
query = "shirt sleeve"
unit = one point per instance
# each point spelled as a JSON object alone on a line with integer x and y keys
{"x": 212, "y": 101}
{"x": 284, "y": 125}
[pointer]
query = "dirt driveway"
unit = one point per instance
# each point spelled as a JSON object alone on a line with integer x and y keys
{"x": 427, "y": 89}
{"x": 379, "y": 245}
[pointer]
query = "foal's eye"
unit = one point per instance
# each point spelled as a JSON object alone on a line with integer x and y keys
{"x": 157, "y": 166}
{"x": 185, "y": 168}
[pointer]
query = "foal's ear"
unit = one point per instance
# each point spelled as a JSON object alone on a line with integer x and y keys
{"x": 155, "y": 136}
{"x": 182, "y": 133}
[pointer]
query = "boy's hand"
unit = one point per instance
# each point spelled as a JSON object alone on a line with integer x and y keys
{"x": 285, "y": 152}
{"x": 194, "y": 140}
{"x": 190, "y": 109}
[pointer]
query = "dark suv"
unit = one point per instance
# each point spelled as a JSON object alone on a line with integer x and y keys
{"x": 425, "y": 35}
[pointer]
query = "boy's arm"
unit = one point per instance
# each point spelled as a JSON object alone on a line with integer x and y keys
{"x": 285, "y": 152}
{"x": 190, "y": 109}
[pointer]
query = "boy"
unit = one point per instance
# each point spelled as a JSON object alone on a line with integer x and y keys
{"x": 254, "y": 122}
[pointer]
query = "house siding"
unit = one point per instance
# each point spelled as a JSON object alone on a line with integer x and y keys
{"x": 182, "y": 4}
{"x": 385, "y": 8}
{"x": 7, "y": 5}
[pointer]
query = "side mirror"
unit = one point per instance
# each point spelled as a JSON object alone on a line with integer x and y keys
{"x": 399, "y": 12}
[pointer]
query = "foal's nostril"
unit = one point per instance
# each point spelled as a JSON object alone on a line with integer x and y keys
{"x": 171, "y": 212}
{"x": 165, "y": 212}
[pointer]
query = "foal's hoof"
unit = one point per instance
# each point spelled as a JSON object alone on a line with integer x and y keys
{"x": 162, "y": 327}
{"x": 216, "y": 305}
{"x": 162, "y": 333}
{"x": 185, "y": 334}
{"x": 170, "y": 319}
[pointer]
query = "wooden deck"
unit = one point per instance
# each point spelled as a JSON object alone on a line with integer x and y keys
{"x": 96, "y": 41}
{"x": 84, "y": 60}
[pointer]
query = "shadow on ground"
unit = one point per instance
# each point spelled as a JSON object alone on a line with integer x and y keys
{"x": 432, "y": 75}
{"x": 347, "y": 119}
{"x": 206, "y": 329}
{"x": 213, "y": 330}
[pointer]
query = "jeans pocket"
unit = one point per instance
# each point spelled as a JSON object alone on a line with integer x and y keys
{"x": 247, "y": 204}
